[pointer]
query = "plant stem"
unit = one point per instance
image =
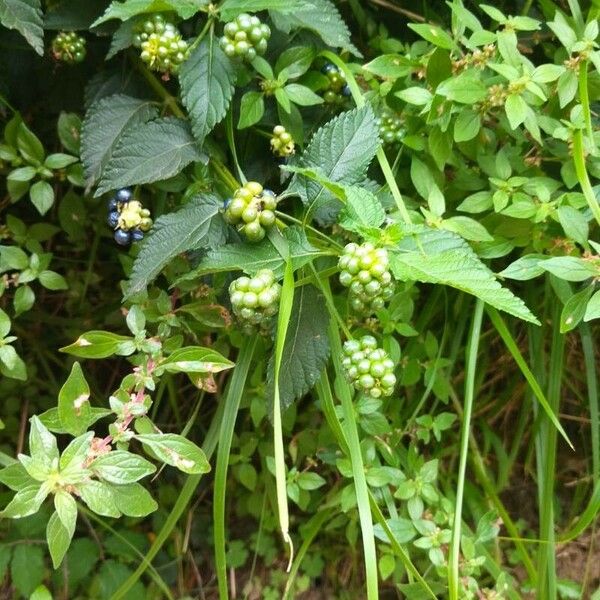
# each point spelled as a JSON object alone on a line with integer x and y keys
{"x": 232, "y": 404}
{"x": 584, "y": 99}
{"x": 471, "y": 360}
{"x": 587, "y": 343}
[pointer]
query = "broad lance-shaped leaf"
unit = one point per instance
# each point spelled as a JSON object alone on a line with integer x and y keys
{"x": 321, "y": 17}
{"x": 58, "y": 538}
{"x": 439, "y": 256}
{"x": 341, "y": 151}
{"x": 250, "y": 258}
{"x": 197, "y": 225}
{"x": 306, "y": 347}
{"x": 104, "y": 123}
{"x": 194, "y": 359}
{"x": 125, "y": 10}
{"x": 133, "y": 500}
{"x": 177, "y": 451}
{"x": 74, "y": 402}
{"x": 150, "y": 152}
{"x": 206, "y": 80}
{"x": 121, "y": 467}
{"x": 99, "y": 344}
{"x": 26, "y": 17}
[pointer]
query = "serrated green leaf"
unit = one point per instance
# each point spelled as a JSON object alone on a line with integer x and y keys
{"x": 26, "y": 17}
{"x": 96, "y": 344}
{"x": 150, "y": 152}
{"x": 306, "y": 348}
{"x": 362, "y": 209}
{"x": 174, "y": 233}
{"x": 437, "y": 256}
{"x": 232, "y": 8}
{"x": 73, "y": 402}
{"x": 250, "y": 258}
{"x": 341, "y": 150}
{"x": 121, "y": 467}
{"x": 130, "y": 8}
{"x": 133, "y": 500}
{"x": 177, "y": 451}
{"x": 320, "y": 16}
{"x": 58, "y": 538}
{"x": 206, "y": 78}
{"x": 104, "y": 123}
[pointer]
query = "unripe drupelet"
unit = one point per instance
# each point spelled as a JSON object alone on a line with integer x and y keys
{"x": 162, "y": 47}
{"x": 255, "y": 300}
{"x": 282, "y": 142}
{"x": 364, "y": 269}
{"x": 369, "y": 368}
{"x": 391, "y": 130}
{"x": 337, "y": 89}
{"x": 245, "y": 37}
{"x": 252, "y": 209}
{"x": 68, "y": 47}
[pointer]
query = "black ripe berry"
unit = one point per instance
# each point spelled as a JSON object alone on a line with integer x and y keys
{"x": 123, "y": 238}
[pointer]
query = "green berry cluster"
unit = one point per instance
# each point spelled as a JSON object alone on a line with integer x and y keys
{"x": 364, "y": 269}
{"x": 68, "y": 47}
{"x": 337, "y": 89}
{"x": 163, "y": 48}
{"x": 282, "y": 142}
{"x": 252, "y": 209}
{"x": 245, "y": 37}
{"x": 391, "y": 130}
{"x": 255, "y": 300}
{"x": 369, "y": 368}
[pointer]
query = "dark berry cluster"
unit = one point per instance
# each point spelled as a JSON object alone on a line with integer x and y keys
{"x": 68, "y": 47}
{"x": 282, "y": 142}
{"x": 255, "y": 300}
{"x": 337, "y": 89}
{"x": 369, "y": 368}
{"x": 127, "y": 217}
{"x": 163, "y": 48}
{"x": 245, "y": 37}
{"x": 391, "y": 130}
{"x": 364, "y": 269}
{"x": 252, "y": 209}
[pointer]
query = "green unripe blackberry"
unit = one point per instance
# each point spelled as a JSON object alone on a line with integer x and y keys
{"x": 364, "y": 270}
{"x": 369, "y": 368}
{"x": 336, "y": 89}
{"x": 255, "y": 300}
{"x": 252, "y": 210}
{"x": 282, "y": 142}
{"x": 391, "y": 130}
{"x": 162, "y": 47}
{"x": 245, "y": 37}
{"x": 69, "y": 47}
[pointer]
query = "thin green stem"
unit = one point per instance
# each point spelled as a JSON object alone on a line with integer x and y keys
{"x": 231, "y": 407}
{"x": 582, "y": 174}
{"x": 471, "y": 360}
{"x": 584, "y": 99}
{"x": 587, "y": 343}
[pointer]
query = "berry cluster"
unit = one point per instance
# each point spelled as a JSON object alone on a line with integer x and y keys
{"x": 337, "y": 89}
{"x": 252, "y": 209}
{"x": 369, "y": 368}
{"x": 255, "y": 300}
{"x": 391, "y": 130}
{"x": 282, "y": 142}
{"x": 127, "y": 217}
{"x": 245, "y": 37}
{"x": 68, "y": 47}
{"x": 364, "y": 269}
{"x": 163, "y": 48}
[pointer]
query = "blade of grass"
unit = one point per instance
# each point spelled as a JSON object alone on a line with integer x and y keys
{"x": 512, "y": 347}
{"x": 231, "y": 407}
{"x": 587, "y": 517}
{"x": 471, "y": 364}
{"x": 236, "y": 388}
{"x": 591, "y": 375}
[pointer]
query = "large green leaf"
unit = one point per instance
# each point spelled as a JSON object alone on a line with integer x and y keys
{"x": 150, "y": 152}
{"x": 439, "y": 256}
{"x": 196, "y": 225}
{"x": 73, "y": 402}
{"x": 207, "y": 79}
{"x": 341, "y": 151}
{"x": 130, "y": 8}
{"x": 232, "y": 8}
{"x": 306, "y": 348}
{"x": 26, "y": 17}
{"x": 104, "y": 123}
{"x": 321, "y": 17}
{"x": 252, "y": 257}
